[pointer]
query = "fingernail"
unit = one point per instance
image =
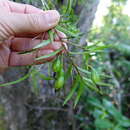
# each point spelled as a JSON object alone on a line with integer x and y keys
{"x": 52, "y": 17}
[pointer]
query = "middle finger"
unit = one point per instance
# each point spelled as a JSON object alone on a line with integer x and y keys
{"x": 26, "y": 44}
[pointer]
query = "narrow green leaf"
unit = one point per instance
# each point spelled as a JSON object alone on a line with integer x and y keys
{"x": 26, "y": 52}
{"x": 34, "y": 82}
{"x": 15, "y": 82}
{"x": 104, "y": 84}
{"x": 51, "y": 35}
{"x": 74, "y": 87}
{"x": 64, "y": 30}
{"x": 101, "y": 47}
{"x": 83, "y": 70}
{"x": 105, "y": 76}
{"x": 42, "y": 44}
{"x": 45, "y": 5}
{"x": 90, "y": 84}
{"x": 69, "y": 72}
{"x": 42, "y": 76}
{"x": 92, "y": 46}
{"x": 87, "y": 72}
{"x": 49, "y": 55}
{"x": 69, "y": 7}
{"x": 80, "y": 92}
{"x": 78, "y": 53}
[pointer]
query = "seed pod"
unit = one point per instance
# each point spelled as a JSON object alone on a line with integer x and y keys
{"x": 59, "y": 83}
{"x": 61, "y": 72}
{"x": 56, "y": 65}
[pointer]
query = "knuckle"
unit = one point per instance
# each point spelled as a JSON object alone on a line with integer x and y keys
{"x": 34, "y": 21}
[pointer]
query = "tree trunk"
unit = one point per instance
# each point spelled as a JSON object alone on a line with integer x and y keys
{"x": 14, "y": 98}
{"x": 87, "y": 15}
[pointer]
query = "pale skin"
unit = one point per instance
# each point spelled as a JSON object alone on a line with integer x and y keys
{"x": 20, "y": 26}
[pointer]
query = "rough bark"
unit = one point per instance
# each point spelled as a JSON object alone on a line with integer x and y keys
{"x": 14, "y": 98}
{"x": 87, "y": 15}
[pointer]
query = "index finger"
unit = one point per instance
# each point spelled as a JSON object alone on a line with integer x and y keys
{"x": 22, "y": 8}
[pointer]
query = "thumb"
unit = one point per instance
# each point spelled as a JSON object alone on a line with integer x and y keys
{"x": 15, "y": 24}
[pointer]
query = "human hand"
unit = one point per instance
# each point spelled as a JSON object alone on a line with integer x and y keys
{"x": 19, "y": 24}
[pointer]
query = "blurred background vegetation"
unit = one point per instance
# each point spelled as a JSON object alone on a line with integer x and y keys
{"x": 34, "y": 104}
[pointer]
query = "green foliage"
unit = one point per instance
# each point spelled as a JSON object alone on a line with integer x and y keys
{"x": 15, "y": 82}
{"x": 106, "y": 116}
{"x": 116, "y": 62}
